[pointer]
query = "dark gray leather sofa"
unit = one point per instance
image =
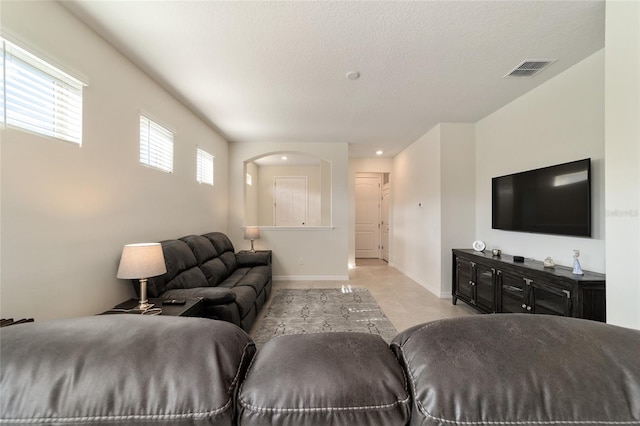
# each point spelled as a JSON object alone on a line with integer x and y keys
{"x": 505, "y": 369}
{"x": 234, "y": 285}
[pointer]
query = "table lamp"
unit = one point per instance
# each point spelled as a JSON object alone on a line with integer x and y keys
{"x": 252, "y": 233}
{"x": 142, "y": 261}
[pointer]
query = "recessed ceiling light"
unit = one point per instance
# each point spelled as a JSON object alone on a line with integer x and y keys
{"x": 283, "y": 157}
{"x": 353, "y": 75}
{"x": 379, "y": 152}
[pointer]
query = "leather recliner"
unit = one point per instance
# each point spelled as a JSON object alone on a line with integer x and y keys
{"x": 509, "y": 369}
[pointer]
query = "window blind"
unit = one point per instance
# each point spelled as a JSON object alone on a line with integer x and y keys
{"x": 204, "y": 168}
{"x": 38, "y": 97}
{"x": 156, "y": 145}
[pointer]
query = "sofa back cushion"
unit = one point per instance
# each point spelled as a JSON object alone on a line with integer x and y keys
{"x": 214, "y": 269}
{"x": 191, "y": 278}
{"x": 182, "y": 269}
{"x": 230, "y": 262}
{"x": 201, "y": 247}
{"x": 220, "y": 241}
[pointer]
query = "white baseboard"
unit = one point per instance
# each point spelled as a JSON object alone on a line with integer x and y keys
{"x": 422, "y": 283}
{"x": 310, "y": 278}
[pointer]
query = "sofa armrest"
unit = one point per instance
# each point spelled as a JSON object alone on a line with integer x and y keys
{"x": 258, "y": 258}
{"x": 211, "y": 295}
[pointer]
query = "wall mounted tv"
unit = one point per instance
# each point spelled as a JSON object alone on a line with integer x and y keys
{"x": 551, "y": 200}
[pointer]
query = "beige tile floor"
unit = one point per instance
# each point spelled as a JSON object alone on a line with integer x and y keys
{"x": 405, "y": 302}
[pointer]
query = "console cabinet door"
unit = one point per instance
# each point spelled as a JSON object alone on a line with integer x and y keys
{"x": 546, "y": 299}
{"x": 485, "y": 288}
{"x": 464, "y": 280}
{"x": 513, "y": 293}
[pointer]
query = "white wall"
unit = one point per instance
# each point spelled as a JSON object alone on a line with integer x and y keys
{"x": 325, "y": 193}
{"x": 433, "y": 204}
{"x": 417, "y": 221}
{"x": 622, "y": 154}
{"x": 251, "y": 194}
{"x": 323, "y": 250}
{"x": 363, "y": 165}
{"x": 66, "y": 211}
{"x": 457, "y": 194}
{"x": 559, "y": 121}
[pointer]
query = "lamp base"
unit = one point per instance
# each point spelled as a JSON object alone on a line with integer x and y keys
{"x": 143, "y": 306}
{"x": 144, "y": 303}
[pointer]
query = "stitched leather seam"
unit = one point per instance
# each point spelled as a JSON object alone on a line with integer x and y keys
{"x": 536, "y": 422}
{"x": 202, "y": 415}
{"x": 427, "y": 325}
{"x": 424, "y": 411}
{"x": 246, "y": 374}
{"x": 236, "y": 377}
{"x": 322, "y": 409}
{"x": 404, "y": 375}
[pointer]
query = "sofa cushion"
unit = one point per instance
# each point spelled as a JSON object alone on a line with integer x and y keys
{"x": 256, "y": 277}
{"x": 122, "y": 369}
{"x": 215, "y": 271}
{"x": 201, "y": 247}
{"x": 325, "y": 378}
{"x": 229, "y": 260}
{"x": 191, "y": 278}
{"x": 236, "y": 276}
{"x": 221, "y": 242}
{"x": 178, "y": 258}
{"x": 211, "y": 295}
{"x": 521, "y": 369}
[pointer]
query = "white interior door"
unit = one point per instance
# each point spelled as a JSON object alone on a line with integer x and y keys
{"x": 367, "y": 194}
{"x": 290, "y": 201}
{"x": 384, "y": 222}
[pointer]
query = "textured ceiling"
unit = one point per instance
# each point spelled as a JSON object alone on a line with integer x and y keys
{"x": 275, "y": 71}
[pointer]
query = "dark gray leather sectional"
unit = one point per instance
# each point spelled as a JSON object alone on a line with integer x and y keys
{"x": 505, "y": 369}
{"x": 234, "y": 285}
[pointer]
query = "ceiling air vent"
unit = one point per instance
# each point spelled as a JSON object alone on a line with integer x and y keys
{"x": 530, "y": 67}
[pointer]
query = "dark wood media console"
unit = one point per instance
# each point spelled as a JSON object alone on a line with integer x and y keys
{"x": 497, "y": 284}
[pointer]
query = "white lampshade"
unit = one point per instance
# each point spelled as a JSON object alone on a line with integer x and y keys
{"x": 252, "y": 233}
{"x": 141, "y": 261}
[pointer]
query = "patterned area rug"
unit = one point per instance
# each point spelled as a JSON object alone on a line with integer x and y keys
{"x": 295, "y": 311}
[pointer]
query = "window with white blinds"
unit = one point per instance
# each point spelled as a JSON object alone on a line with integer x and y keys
{"x": 204, "y": 167}
{"x": 156, "y": 145}
{"x": 38, "y": 97}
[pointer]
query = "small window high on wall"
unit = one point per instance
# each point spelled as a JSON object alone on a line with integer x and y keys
{"x": 37, "y": 97}
{"x": 204, "y": 169}
{"x": 156, "y": 145}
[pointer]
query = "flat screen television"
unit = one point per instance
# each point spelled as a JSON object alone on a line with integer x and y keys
{"x": 551, "y": 200}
